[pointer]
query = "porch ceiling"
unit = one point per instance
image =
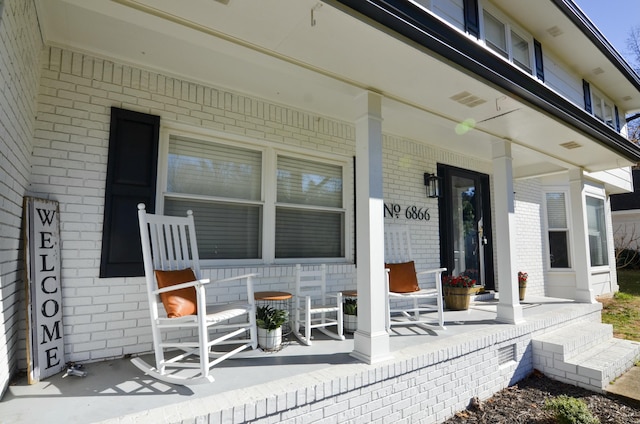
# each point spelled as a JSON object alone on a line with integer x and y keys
{"x": 310, "y": 55}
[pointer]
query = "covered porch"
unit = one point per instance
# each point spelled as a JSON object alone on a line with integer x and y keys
{"x": 429, "y": 376}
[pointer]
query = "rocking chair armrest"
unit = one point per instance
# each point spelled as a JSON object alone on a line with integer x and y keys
{"x": 193, "y": 283}
{"x": 237, "y": 277}
{"x": 430, "y": 271}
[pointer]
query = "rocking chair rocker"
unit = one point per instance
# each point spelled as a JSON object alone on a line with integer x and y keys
{"x": 172, "y": 273}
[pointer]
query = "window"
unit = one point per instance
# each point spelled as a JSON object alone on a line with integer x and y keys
{"x": 557, "y": 225}
{"x": 237, "y": 202}
{"x": 506, "y": 40}
{"x": 597, "y": 231}
{"x": 520, "y": 51}
{"x": 221, "y": 184}
{"x": 309, "y": 216}
{"x": 495, "y": 34}
{"x": 603, "y": 109}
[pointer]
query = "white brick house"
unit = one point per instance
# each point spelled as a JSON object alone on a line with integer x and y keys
{"x": 520, "y": 109}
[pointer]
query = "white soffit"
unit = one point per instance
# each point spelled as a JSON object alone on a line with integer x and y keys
{"x": 272, "y": 49}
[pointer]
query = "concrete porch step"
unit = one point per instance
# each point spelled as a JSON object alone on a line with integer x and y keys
{"x": 584, "y": 354}
{"x": 575, "y": 338}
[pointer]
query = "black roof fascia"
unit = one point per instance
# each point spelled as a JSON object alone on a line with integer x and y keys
{"x": 427, "y": 31}
{"x": 573, "y": 12}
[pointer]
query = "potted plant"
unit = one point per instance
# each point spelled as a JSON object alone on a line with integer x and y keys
{"x": 458, "y": 291}
{"x": 522, "y": 283}
{"x": 269, "y": 321}
{"x": 350, "y": 318}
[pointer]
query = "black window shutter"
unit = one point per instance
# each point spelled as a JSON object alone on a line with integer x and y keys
{"x": 472, "y": 18}
{"x": 131, "y": 179}
{"x": 617, "y": 119}
{"x": 537, "y": 48}
{"x": 587, "y": 96}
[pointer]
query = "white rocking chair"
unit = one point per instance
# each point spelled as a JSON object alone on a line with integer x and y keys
{"x": 312, "y": 308}
{"x": 406, "y": 287}
{"x": 172, "y": 272}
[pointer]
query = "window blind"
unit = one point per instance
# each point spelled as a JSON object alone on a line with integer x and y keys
{"x": 304, "y": 232}
{"x": 556, "y": 211}
{"x": 305, "y": 182}
{"x": 211, "y": 169}
{"x": 223, "y": 231}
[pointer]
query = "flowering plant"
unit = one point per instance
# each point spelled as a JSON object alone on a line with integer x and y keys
{"x": 459, "y": 281}
{"x": 522, "y": 278}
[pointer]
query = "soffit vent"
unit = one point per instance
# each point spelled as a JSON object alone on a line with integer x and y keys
{"x": 554, "y": 31}
{"x": 467, "y": 99}
{"x": 598, "y": 71}
{"x": 626, "y": 98}
{"x": 571, "y": 145}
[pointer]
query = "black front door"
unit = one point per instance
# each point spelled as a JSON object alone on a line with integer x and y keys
{"x": 465, "y": 225}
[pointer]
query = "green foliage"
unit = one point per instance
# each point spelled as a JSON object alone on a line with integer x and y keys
{"x": 350, "y": 306}
{"x": 269, "y": 318}
{"x": 569, "y": 410}
{"x": 622, "y": 296}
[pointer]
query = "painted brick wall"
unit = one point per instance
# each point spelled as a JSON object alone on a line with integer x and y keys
{"x": 19, "y": 72}
{"x": 404, "y": 164}
{"x": 530, "y": 235}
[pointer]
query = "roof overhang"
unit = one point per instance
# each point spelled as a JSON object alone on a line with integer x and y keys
{"x": 316, "y": 57}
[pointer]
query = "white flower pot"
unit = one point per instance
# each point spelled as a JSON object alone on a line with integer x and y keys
{"x": 269, "y": 340}
{"x": 350, "y": 323}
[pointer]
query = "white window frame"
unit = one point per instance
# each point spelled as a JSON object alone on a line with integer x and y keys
{"x": 600, "y": 194}
{"x": 509, "y": 27}
{"x": 567, "y": 204}
{"x": 270, "y": 151}
{"x": 604, "y": 101}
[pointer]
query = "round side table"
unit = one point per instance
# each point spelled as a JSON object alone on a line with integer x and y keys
{"x": 278, "y": 300}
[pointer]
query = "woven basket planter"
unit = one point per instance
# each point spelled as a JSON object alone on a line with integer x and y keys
{"x": 457, "y": 298}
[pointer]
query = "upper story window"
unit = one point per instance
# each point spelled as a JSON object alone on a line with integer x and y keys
{"x": 507, "y": 40}
{"x": 256, "y": 204}
{"x": 603, "y": 109}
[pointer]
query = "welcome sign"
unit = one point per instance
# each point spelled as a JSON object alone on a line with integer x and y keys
{"x": 45, "y": 343}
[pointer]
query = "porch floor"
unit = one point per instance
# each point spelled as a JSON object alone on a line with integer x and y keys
{"x": 116, "y": 391}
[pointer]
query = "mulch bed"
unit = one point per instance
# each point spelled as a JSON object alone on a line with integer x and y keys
{"x": 524, "y": 403}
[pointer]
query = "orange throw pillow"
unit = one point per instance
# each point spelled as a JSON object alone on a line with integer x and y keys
{"x": 402, "y": 277}
{"x": 177, "y": 303}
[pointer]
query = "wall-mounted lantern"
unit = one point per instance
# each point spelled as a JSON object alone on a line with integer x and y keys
{"x": 432, "y": 181}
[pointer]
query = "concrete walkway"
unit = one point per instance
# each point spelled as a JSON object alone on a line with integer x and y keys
{"x": 627, "y": 385}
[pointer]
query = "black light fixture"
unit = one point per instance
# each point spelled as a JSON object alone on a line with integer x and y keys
{"x": 432, "y": 181}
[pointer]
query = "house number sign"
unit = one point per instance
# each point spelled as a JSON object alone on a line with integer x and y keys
{"x": 418, "y": 213}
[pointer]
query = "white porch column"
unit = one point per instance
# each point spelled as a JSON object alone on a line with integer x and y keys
{"x": 580, "y": 237}
{"x": 509, "y": 308}
{"x": 371, "y": 341}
